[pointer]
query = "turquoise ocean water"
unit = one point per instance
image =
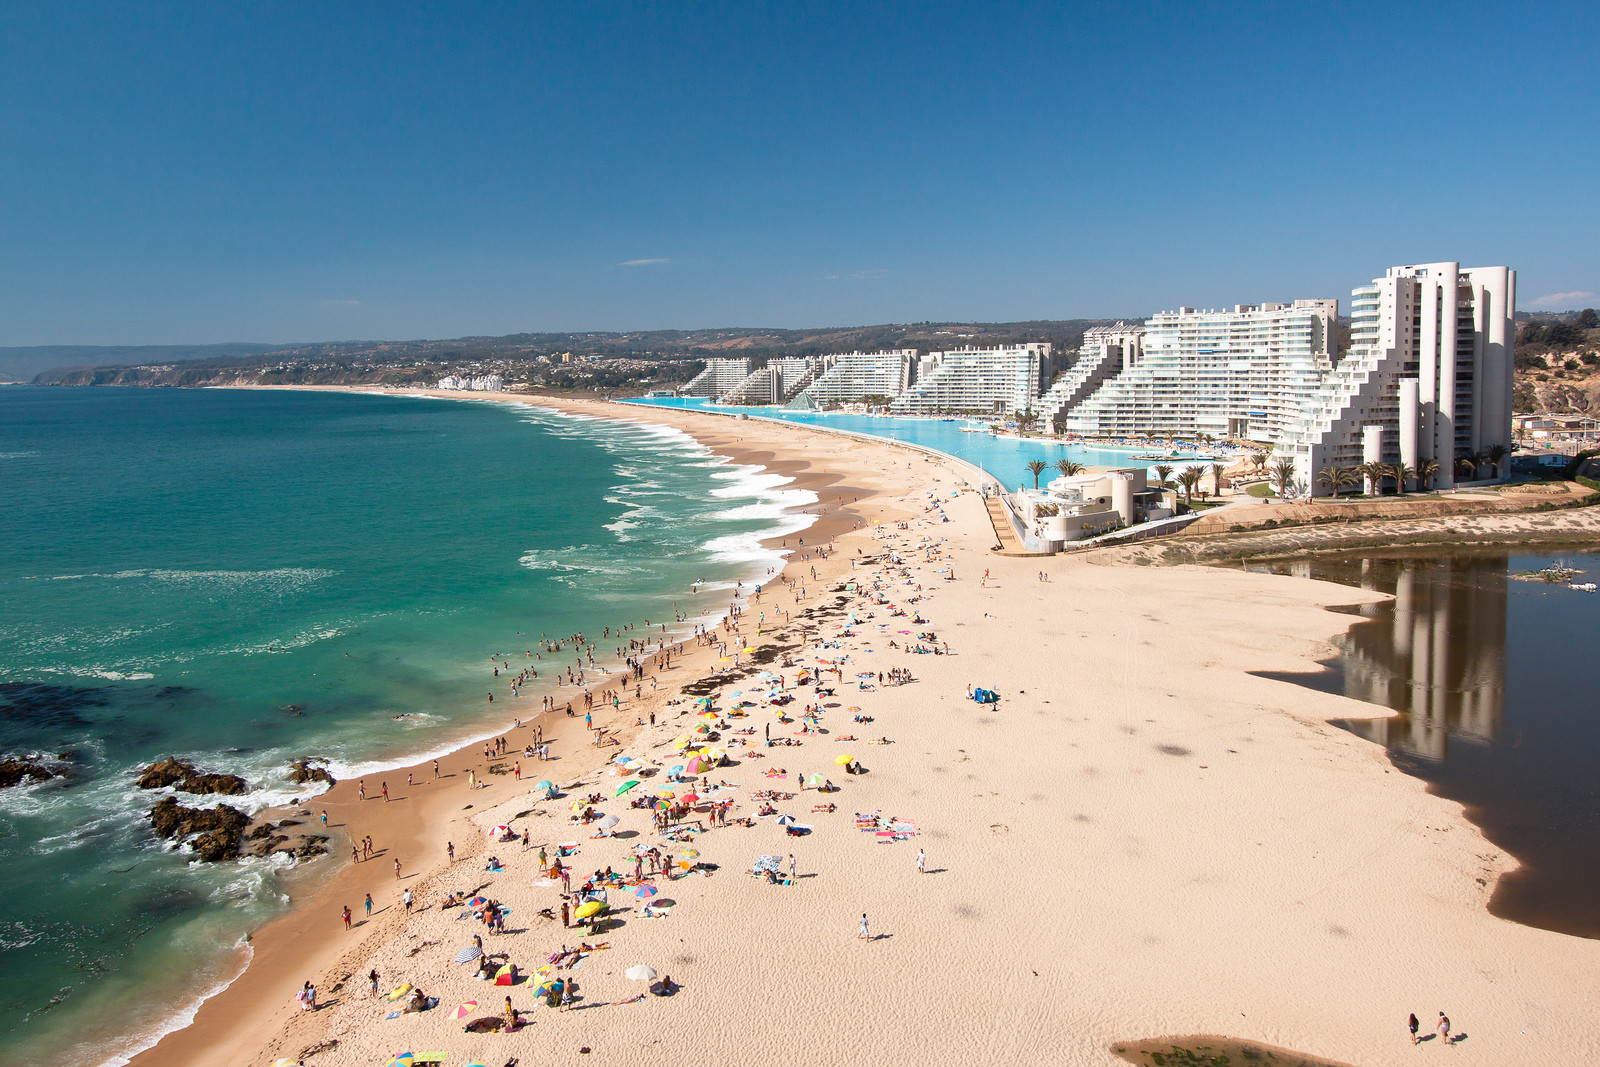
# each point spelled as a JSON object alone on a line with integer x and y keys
{"x": 245, "y": 577}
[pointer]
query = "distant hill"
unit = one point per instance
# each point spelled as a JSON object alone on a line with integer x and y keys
{"x": 554, "y": 360}
{"x": 21, "y": 364}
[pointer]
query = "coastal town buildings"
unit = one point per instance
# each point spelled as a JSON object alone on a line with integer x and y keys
{"x": 1240, "y": 373}
{"x": 1426, "y": 384}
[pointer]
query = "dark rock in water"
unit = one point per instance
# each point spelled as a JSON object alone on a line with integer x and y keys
{"x": 37, "y": 704}
{"x": 264, "y": 830}
{"x": 267, "y": 845}
{"x": 288, "y": 822}
{"x": 182, "y": 774}
{"x": 220, "y": 830}
{"x": 302, "y": 771}
{"x": 13, "y": 771}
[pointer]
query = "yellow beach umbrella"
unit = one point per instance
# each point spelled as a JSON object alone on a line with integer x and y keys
{"x": 841, "y": 760}
{"x": 592, "y": 907}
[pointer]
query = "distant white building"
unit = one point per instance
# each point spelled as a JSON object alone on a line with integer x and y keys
{"x": 1427, "y": 379}
{"x": 1005, "y": 380}
{"x": 1239, "y": 373}
{"x": 489, "y": 383}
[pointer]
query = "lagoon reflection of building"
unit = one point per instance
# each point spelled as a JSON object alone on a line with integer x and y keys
{"x": 1436, "y": 655}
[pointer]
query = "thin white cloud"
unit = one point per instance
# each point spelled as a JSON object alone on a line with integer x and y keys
{"x": 1563, "y": 300}
{"x": 642, "y": 262}
{"x": 341, "y": 303}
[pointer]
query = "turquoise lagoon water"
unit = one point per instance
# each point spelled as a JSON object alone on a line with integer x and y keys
{"x": 245, "y": 577}
{"x": 1004, "y": 457}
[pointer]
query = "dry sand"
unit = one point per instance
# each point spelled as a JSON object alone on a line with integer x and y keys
{"x": 1143, "y": 838}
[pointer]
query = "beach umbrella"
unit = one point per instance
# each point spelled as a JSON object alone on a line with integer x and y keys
{"x": 666, "y": 794}
{"x": 844, "y": 759}
{"x": 690, "y": 853}
{"x": 645, "y": 891}
{"x": 676, "y": 770}
{"x": 785, "y": 820}
{"x": 588, "y": 908}
{"x": 498, "y": 830}
{"x": 401, "y": 1059}
{"x": 607, "y": 822}
{"x": 468, "y": 954}
{"x": 544, "y": 988}
{"x": 464, "y": 1009}
{"x": 399, "y": 991}
{"x": 625, "y": 786}
{"x": 577, "y": 805}
{"x": 815, "y": 779}
{"x": 477, "y": 902}
{"x": 641, "y": 973}
{"x": 544, "y": 786}
{"x": 691, "y": 798}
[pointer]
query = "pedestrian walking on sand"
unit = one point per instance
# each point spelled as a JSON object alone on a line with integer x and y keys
{"x": 922, "y": 862}
{"x": 347, "y": 916}
{"x": 386, "y": 792}
{"x": 436, "y": 768}
{"x": 864, "y": 935}
{"x": 791, "y": 869}
{"x": 369, "y": 905}
{"x": 372, "y": 981}
{"x": 565, "y": 914}
{"x": 361, "y": 790}
{"x": 1444, "y": 1027}
{"x": 405, "y": 898}
{"x": 450, "y": 850}
{"x": 397, "y": 868}
{"x": 1413, "y": 1024}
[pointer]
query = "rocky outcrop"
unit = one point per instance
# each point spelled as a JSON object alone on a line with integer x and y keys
{"x": 218, "y": 832}
{"x": 304, "y": 770}
{"x": 16, "y": 771}
{"x": 182, "y": 775}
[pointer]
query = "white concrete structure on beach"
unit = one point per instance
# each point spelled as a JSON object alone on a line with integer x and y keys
{"x": 1076, "y": 506}
{"x": 1427, "y": 378}
{"x": 489, "y": 383}
{"x": 1241, "y": 373}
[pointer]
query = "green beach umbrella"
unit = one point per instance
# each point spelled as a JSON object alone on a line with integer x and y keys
{"x": 625, "y": 786}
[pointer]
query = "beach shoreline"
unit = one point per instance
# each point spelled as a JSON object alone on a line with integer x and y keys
{"x": 1124, "y": 916}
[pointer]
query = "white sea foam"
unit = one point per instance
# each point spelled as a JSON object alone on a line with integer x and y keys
{"x": 146, "y": 1037}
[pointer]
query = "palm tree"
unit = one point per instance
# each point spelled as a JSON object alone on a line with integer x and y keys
{"x": 1283, "y": 475}
{"x": 1467, "y": 465}
{"x": 1036, "y": 466}
{"x": 1495, "y": 455}
{"x": 1189, "y": 478}
{"x": 1375, "y": 473}
{"x": 1069, "y": 468}
{"x": 1260, "y": 461}
{"x": 1163, "y": 472}
{"x": 1337, "y": 478}
{"x": 1427, "y": 471}
{"x": 1216, "y": 478}
{"x": 1402, "y": 472}
{"x": 1025, "y": 421}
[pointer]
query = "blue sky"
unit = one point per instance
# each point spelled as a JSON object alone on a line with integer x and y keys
{"x": 284, "y": 172}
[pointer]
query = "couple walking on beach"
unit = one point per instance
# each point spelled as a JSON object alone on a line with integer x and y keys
{"x": 1444, "y": 1029}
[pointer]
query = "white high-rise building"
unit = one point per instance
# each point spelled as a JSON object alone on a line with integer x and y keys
{"x": 720, "y": 376}
{"x": 1243, "y": 373}
{"x": 1427, "y": 380}
{"x": 1006, "y": 379}
{"x": 852, "y": 376}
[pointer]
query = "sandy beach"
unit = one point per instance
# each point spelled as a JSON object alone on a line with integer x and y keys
{"x": 1143, "y": 837}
